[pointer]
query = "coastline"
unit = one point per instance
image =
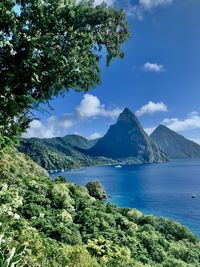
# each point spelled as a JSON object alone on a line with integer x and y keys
{"x": 168, "y": 193}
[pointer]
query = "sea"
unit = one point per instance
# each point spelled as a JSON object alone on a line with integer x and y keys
{"x": 170, "y": 190}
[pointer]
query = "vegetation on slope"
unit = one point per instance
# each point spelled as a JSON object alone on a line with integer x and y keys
{"x": 60, "y": 224}
{"x": 78, "y": 141}
{"x": 58, "y": 153}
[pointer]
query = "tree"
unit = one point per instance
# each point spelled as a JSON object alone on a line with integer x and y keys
{"x": 49, "y": 47}
{"x": 96, "y": 190}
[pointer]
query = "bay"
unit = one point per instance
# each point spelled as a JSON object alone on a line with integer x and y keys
{"x": 163, "y": 189}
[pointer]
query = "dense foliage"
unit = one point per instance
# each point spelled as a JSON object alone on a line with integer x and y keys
{"x": 60, "y": 224}
{"x": 9, "y": 257}
{"x": 59, "y": 153}
{"x": 48, "y": 47}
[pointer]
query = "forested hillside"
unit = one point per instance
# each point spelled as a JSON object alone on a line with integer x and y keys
{"x": 60, "y": 224}
{"x": 61, "y": 152}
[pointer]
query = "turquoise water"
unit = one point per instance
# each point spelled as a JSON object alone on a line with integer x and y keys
{"x": 160, "y": 189}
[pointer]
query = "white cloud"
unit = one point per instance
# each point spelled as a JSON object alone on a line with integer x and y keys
{"x": 53, "y": 126}
{"x": 191, "y": 122}
{"x": 151, "y": 108}
{"x": 153, "y": 67}
{"x": 94, "y": 136}
{"x": 38, "y": 129}
{"x": 91, "y": 106}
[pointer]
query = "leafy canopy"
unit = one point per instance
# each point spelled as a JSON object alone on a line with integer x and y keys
{"x": 49, "y": 47}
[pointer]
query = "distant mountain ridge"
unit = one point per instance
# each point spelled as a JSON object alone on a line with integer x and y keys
{"x": 79, "y": 141}
{"x": 125, "y": 139}
{"x": 174, "y": 144}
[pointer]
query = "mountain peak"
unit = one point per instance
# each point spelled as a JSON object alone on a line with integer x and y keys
{"x": 127, "y": 110}
{"x": 127, "y": 116}
{"x": 127, "y": 139}
{"x": 174, "y": 144}
{"x": 162, "y": 127}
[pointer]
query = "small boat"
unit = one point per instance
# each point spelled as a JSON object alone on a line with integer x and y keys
{"x": 193, "y": 196}
{"x": 118, "y": 166}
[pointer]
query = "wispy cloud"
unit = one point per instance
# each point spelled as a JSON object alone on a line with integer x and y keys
{"x": 151, "y": 108}
{"x": 134, "y": 11}
{"x": 151, "y": 4}
{"x": 94, "y": 136}
{"x": 153, "y": 67}
{"x": 108, "y": 2}
{"x": 191, "y": 122}
{"x": 138, "y": 10}
{"x": 89, "y": 108}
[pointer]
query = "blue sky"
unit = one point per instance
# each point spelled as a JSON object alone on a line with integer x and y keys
{"x": 159, "y": 78}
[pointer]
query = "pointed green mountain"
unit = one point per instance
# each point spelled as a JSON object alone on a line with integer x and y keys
{"x": 127, "y": 139}
{"x": 175, "y": 145}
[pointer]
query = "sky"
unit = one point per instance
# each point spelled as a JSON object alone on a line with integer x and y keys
{"x": 159, "y": 78}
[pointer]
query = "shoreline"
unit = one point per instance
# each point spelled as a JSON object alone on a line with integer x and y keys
{"x": 106, "y": 164}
